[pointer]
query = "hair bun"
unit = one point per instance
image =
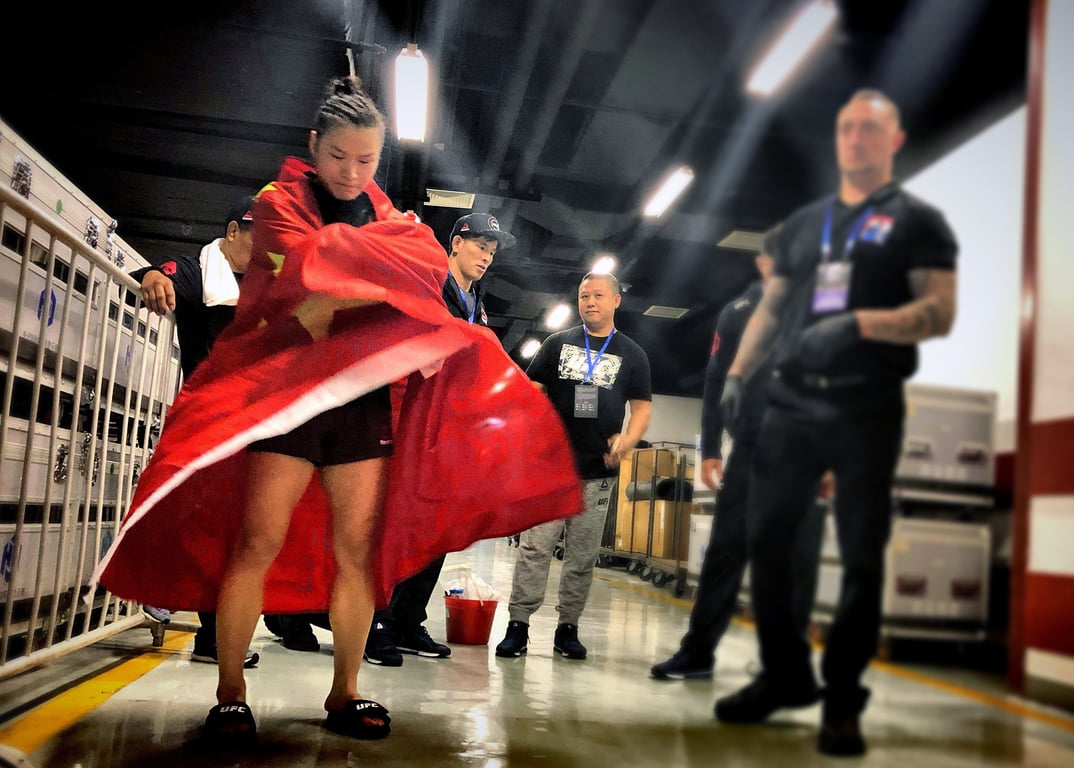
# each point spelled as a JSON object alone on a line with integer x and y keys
{"x": 351, "y": 85}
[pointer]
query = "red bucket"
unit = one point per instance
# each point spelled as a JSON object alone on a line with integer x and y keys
{"x": 469, "y": 622}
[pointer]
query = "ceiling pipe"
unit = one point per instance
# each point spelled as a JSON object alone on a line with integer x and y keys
{"x": 536, "y": 17}
{"x": 570, "y": 56}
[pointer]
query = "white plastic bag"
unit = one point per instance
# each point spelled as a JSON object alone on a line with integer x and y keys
{"x": 459, "y": 581}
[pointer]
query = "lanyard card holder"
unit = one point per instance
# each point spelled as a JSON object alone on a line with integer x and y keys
{"x": 832, "y": 292}
{"x": 585, "y": 401}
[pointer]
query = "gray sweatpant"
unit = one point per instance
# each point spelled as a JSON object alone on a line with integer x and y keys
{"x": 582, "y": 534}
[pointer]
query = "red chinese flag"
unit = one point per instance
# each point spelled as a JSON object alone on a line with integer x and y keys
{"x": 479, "y": 452}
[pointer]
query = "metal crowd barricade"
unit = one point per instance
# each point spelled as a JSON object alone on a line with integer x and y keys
{"x": 86, "y": 384}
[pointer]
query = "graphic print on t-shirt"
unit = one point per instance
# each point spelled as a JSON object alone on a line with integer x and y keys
{"x": 573, "y": 365}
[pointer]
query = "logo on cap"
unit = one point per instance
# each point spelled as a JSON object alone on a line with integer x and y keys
{"x": 482, "y": 224}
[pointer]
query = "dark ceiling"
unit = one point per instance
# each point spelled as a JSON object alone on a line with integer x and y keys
{"x": 560, "y": 116}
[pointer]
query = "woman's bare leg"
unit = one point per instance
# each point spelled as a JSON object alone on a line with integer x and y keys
{"x": 356, "y": 496}
{"x": 275, "y": 483}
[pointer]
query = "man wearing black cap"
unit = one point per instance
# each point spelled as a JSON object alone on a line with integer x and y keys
{"x": 203, "y": 293}
{"x": 475, "y": 240}
{"x": 398, "y": 629}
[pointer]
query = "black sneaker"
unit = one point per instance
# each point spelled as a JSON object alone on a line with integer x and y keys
{"x": 759, "y": 699}
{"x": 419, "y": 643}
{"x": 682, "y": 667}
{"x": 296, "y": 634}
{"x": 841, "y": 737}
{"x": 515, "y": 642}
{"x": 566, "y": 644}
{"x": 302, "y": 641}
{"x": 208, "y": 656}
{"x": 380, "y": 647}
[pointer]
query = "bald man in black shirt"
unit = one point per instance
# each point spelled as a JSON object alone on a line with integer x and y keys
{"x": 863, "y": 276}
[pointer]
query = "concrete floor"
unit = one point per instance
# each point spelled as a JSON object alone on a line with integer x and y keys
{"x": 538, "y": 710}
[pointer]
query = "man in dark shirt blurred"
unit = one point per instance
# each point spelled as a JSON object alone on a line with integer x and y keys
{"x": 725, "y": 559}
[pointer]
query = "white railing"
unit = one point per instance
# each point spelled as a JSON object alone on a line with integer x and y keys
{"x": 88, "y": 376}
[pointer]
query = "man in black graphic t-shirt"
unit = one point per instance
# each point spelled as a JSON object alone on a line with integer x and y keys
{"x": 590, "y": 373}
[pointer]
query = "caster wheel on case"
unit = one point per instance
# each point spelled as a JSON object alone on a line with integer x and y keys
{"x": 557, "y": 551}
{"x": 660, "y": 579}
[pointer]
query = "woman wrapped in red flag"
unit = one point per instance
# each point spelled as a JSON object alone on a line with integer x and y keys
{"x": 281, "y": 483}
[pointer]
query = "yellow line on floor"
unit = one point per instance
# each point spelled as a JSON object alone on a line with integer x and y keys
{"x": 1014, "y": 707}
{"x": 980, "y": 697}
{"x": 47, "y": 720}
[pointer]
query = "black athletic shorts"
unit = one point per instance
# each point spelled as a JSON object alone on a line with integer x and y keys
{"x": 354, "y": 431}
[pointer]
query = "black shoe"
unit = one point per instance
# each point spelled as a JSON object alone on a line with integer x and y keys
{"x": 682, "y": 667}
{"x": 418, "y": 643}
{"x": 515, "y": 642}
{"x": 380, "y": 647}
{"x": 566, "y": 644}
{"x": 307, "y": 643}
{"x": 841, "y": 738}
{"x": 273, "y": 624}
{"x": 761, "y": 698}
{"x": 209, "y": 656}
{"x": 297, "y": 635}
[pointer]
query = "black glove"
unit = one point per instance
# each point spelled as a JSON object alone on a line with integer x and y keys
{"x": 731, "y": 400}
{"x": 821, "y": 342}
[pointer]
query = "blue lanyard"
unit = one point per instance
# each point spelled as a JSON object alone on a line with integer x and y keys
{"x": 852, "y": 238}
{"x": 463, "y": 295}
{"x": 588, "y": 353}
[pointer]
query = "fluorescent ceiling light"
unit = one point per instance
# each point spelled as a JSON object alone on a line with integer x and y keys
{"x": 672, "y": 313}
{"x": 449, "y": 198}
{"x": 812, "y": 22}
{"x": 743, "y": 240}
{"x": 603, "y": 266}
{"x": 557, "y": 317}
{"x": 411, "y": 94}
{"x": 529, "y": 348}
{"x": 669, "y": 190}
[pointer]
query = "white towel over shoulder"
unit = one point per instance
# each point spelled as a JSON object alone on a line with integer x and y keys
{"x": 218, "y": 283}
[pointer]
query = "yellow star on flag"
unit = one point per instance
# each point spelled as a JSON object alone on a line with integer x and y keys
{"x": 277, "y": 260}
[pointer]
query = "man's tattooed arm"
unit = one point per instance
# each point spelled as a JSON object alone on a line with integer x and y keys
{"x": 931, "y": 313}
